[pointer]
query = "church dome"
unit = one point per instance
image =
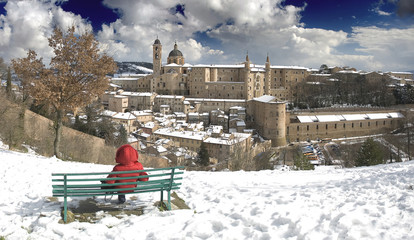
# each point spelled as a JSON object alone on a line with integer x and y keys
{"x": 175, "y": 52}
{"x": 157, "y": 41}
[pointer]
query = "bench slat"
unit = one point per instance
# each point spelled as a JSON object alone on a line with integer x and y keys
{"x": 164, "y": 186}
{"x": 106, "y": 173}
{"x": 114, "y": 178}
{"x": 115, "y": 184}
{"x": 113, "y": 193}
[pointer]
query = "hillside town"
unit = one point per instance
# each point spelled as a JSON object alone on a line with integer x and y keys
{"x": 173, "y": 109}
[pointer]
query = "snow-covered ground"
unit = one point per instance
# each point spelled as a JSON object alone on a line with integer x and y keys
{"x": 360, "y": 203}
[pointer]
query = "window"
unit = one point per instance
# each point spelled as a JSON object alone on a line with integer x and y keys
{"x": 360, "y": 124}
{"x": 326, "y": 126}
{"x": 307, "y": 128}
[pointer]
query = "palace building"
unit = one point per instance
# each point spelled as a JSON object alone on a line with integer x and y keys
{"x": 238, "y": 81}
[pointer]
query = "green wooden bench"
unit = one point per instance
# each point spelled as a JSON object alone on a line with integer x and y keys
{"x": 89, "y": 184}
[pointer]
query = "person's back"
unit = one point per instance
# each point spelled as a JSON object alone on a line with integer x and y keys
{"x": 127, "y": 159}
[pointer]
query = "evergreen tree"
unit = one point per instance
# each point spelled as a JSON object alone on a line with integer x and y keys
{"x": 370, "y": 153}
{"x": 122, "y": 137}
{"x": 9, "y": 83}
{"x": 203, "y": 156}
{"x": 301, "y": 162}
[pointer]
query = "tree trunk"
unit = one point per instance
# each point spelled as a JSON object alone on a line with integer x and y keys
{"x": 58, "y": 133}
{"x": 8, "y": 86}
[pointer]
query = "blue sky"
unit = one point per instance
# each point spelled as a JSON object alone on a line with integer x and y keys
{"x": 366, "y": 34}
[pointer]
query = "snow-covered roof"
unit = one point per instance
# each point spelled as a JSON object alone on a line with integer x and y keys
{"x": 141, "y": 113}
{"x": 265, "y": 98}
{"x": 108, "y": 113}
{"x": 161, "y": 149}
{"x": 181, "y": 134}
{"x": 330, "y": 118}
{"x": 124, "y": 79}
{"x": 401, "y": 72}
{"x": 132, "y": 139}
{"x": 347, "y": 117}
{"x": 168, "y": 96}
{"x": 289, "y": 67}
{"x": 304, "y": 119}
{"x": 218, "y": 66}
{"x": 217, "y": 129}
{"x": 180, "y": 114}
{"x": 137, "y": 94}
{"x": 227, "y": 139}
{"x": 349, "y": 71}
{"x": 172, "y": 65}
{"x": 241, "y": 123}
{"x": 238, "y": 108}
{"x": 255, "y": 69}
{"x": 354, "y": 117}
{"x": 149, "y": 125}
{"x": 118, "y": 96}
{"x": 125, "y": 116}
{"x": 396, "y": 115}
{"x": 145, "y": 135}
{"x": 215, "y": 100}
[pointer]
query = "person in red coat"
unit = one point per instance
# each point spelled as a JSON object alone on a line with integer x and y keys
{"x": 127, "y": 159}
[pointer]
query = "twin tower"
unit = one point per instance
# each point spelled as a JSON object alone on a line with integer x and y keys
{"x": 175, "y": 57}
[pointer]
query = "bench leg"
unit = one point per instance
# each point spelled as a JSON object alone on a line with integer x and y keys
{"x": 65, "y": 204}
{"x": 65, "y": 210}
{"x": 162, "y": 198}
{"x": 169, "y": 201}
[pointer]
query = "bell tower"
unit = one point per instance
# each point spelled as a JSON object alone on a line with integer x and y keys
{"x": 156, "y": 57}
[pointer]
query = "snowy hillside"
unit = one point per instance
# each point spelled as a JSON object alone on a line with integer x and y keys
{"x": 360, "y": 203}
{"x": 134, "y": 68}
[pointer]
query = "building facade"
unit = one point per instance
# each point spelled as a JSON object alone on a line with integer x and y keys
{"x": 239, "y": 81}
{"x": 272, "y": 121}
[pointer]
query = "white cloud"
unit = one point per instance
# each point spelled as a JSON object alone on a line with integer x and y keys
{"x": 195, "y": 51}
{"x": 383, "y": 13}
{"x": 391, "y": 48}
{"x": 27, "y": 25}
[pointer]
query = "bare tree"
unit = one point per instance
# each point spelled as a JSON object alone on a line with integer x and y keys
{"x": 75, "y": 76}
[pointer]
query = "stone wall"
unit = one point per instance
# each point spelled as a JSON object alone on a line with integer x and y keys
{"x": 75, "y": 145}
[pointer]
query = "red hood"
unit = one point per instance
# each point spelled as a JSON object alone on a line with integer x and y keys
{"x": 126, "y": 155}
